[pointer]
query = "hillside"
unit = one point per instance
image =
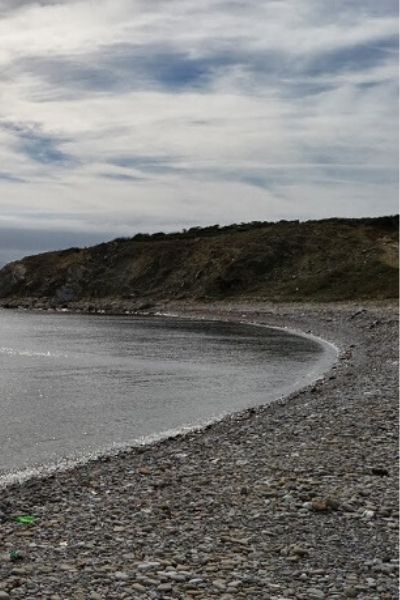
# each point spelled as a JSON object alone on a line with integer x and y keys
{"x": 333, "y": 259}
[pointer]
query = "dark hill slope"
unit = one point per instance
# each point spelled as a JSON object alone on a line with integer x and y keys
{"x": 333, "y": 259}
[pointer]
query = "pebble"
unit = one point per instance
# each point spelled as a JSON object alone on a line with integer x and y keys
{"x": 296, "y": 500}
{"x": 138, "y": 587}
{"x": 350, "y": 592}
{"x": 219, "y": 584}
{"x": 164, "y": 587}
{"x": 315, "y": 594}
{"x": 146, "y": 566}
{"x": 121, "y": 575}
{"x": 195, "y": 582}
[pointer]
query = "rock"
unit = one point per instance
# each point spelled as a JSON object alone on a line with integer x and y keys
{"x": 219, "y": 584}
{"x": 179, "y": 577}
{"x": 298, "y": 550}
{"x": 121, "y": 575}
{"x": 380, "y": 471}
{"x": 195, "y": 582}
{"x": 4, "y": 595}
{"x": 21, "y": 570}
{"x": 144, "y": 471}
{"x": 325, "y": 505}
{"x": 138, "y": 587}
{"x": 147, "y": 566}
{"x": 164, "y": 587}
{"x": 368, "y": 514}
{"x": 315, "y": 594}
{"x": 351, "y": 592}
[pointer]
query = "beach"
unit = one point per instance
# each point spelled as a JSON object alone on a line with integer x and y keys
{"x": 295, "y": 500}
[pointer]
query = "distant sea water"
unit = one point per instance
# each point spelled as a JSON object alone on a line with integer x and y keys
{"x": 73, "y": 386}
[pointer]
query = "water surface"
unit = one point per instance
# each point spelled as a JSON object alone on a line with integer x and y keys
{"x": 73, "y": 385}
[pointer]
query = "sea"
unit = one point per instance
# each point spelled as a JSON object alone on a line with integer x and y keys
{"x": 75, "y": 386}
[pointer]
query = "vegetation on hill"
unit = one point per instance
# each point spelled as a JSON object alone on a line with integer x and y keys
{"x": 332, "y": 259}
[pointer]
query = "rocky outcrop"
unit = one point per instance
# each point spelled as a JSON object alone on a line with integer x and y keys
{"x": 334, "y": 259}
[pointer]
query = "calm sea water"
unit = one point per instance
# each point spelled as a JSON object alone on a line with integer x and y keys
{"x": 75, "y": 385}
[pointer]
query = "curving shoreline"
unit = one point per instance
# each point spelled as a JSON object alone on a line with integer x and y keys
{"x": 297, "y": 499}
{"x": 325, "y": 357}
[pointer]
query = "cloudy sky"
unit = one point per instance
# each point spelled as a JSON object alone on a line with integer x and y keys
{"x": 119, "y": 116}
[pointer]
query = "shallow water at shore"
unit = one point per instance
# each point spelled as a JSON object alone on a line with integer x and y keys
{"x": 73, "y": 386}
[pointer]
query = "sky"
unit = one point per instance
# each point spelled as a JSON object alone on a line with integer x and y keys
{"x": 120, "y": 116}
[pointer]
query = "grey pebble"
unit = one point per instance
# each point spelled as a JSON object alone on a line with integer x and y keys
{"x": 315, "y": 594}
{"x": 295, "y": 500}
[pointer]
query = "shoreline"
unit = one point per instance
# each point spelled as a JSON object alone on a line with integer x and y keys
{"x": 296, "y": 500}
{"x": 320, "y": 370}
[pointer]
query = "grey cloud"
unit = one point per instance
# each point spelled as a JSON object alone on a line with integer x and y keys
{"x": 147, "y": 112}
{"x": 372, "y": 8}
{"x": 7, "y": 6}
{"x": 353, "y": 58}
{"x": 10, "y": 178}
{"x": 121, "y": 68}
{"x": 146, "y": 164}
{"x": 121, "y": 177}
{"x": 37, "y": 145}
{"x": 336, "y": 164}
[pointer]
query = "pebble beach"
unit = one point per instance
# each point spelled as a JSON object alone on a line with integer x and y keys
{"x": 294, "y": 500}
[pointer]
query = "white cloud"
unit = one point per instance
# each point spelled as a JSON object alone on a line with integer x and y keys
{"x": 119, "y": 115}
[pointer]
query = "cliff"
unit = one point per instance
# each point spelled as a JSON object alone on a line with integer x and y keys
{"x": 332, "y": 259}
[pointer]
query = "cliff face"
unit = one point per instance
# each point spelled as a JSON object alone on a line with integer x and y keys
{"x": 334, "y": 259}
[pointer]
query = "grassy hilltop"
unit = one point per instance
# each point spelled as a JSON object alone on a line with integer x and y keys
{"x": 332, "y": 259}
